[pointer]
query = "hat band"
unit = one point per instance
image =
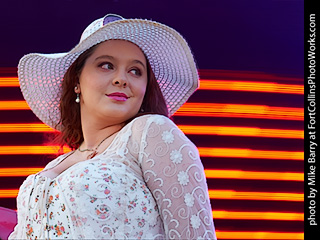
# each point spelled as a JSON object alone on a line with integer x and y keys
{"x": 111, "y": 18}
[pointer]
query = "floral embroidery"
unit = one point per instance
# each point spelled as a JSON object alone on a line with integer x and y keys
{"x": 77, "y": 220}
{"x": 109, "y": 179}
{"x": 106, "y": 191}
{"x": 58, "y": 230}
{"x": 144, "y": 210}
{"x": 108, "y": 198}
{"x": 133, "y": 187}
{"x": 30, "y": 230}
{"x": 141, "y": 222}
{"x": 189, "y": 199}
{"x": 145, "y": 191}
{"x": 153, "y": 217}
{"x": 121, "y": 152}
{"x": 183, "y": 178}
{"x": 167, "y": 137}
{"x": 159, "y": 121}
{"x": 102, "y": 212}
{"x": 71, "y": 185}
{"x": 195, "y": 221}
{"x": 125, "y": 137}
{"x": 132, "y": 204}
{"x": 176, "y": 156}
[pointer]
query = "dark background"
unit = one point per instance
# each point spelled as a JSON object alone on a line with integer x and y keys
{"x": 250, "y": 35}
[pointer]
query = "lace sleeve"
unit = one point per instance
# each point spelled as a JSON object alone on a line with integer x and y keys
{"x": 174, "y": 173}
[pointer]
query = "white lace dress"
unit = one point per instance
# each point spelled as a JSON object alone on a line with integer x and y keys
{"x": 148, "y": 184}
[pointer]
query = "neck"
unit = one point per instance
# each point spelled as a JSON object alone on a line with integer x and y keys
{"x": 94, "y": 133}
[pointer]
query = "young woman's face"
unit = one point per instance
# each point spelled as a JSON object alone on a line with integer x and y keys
{"x": 113, "y": 81}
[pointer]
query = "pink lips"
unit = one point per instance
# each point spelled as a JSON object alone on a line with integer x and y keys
{"x": 118, "y": 96}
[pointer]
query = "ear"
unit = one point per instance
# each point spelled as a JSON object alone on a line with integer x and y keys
{"x": 77, "y": 88}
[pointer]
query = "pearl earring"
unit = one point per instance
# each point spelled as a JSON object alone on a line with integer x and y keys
{"x": 78, "y": 94}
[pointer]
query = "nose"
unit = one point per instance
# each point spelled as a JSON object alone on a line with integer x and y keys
{"x": 120, "y": 80}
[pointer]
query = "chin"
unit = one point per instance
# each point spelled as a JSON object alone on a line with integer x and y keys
{"x": 124, "y": 115}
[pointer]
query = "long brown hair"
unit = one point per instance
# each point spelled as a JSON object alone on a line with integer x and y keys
{"x": 70, "y": 121}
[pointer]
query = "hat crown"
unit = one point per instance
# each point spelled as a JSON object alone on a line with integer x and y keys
{"x": 99, "y": 23}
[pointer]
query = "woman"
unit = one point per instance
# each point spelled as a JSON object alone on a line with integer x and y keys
{"x": 132, "y": 173}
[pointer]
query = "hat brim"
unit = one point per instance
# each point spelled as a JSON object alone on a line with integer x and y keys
{"x": 169, "y": 55}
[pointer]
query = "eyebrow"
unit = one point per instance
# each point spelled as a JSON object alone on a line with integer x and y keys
{"x": 112, "y": 58}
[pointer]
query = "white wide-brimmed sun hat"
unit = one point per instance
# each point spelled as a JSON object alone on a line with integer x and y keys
{"x": 168, "y": 53}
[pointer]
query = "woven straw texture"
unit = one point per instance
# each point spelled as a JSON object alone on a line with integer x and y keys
{"x": 170, "y": 57}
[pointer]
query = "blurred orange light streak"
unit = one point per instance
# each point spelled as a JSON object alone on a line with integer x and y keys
{"x": 213, "y": 84}
{"x": 260, "y": 235}
{"x": 18, "y": 172}
{"x": 14, "y": 105}
{"x": 9, "y": 193}
{"x": 240, "y": 131}
{"x": 250, "y": 153}
{"x": 240, "y": 111}
{"x": 250, "y": 86}
{"x": 15, "y": 150}
{"x": 187, "y": 129}
{"x": 209, "y": 110}
{"x": 254, "y": 175}
{"x": 9, "y": 82}
{"x": 204, "y": 152}
{"x": 210, "y": 173}
{"x": 25, "y": 127}
{"x": 285, "y": 216}
{"x": 265, "y": 196}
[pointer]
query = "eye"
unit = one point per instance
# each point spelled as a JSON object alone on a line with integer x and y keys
{"x": 136, "y": 71}
{"x": 106, "y": 65}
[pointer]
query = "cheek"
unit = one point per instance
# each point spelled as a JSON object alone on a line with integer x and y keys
{"x": 92, "y": 83}
{"x": 142, "y": 90}
{"x": 139, "y": 88}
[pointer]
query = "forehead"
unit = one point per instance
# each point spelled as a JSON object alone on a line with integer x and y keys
{"x": 120, "y": 49}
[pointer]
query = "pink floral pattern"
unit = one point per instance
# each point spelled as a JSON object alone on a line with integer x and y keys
{"x": 148, "y": 184}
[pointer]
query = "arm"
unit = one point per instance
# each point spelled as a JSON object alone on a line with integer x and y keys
{"x": 22, "y": 198}
{"x": 174, "y": 173}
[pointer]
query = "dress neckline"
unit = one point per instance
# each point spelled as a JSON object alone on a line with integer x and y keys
{"x": 64, "y": 156}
